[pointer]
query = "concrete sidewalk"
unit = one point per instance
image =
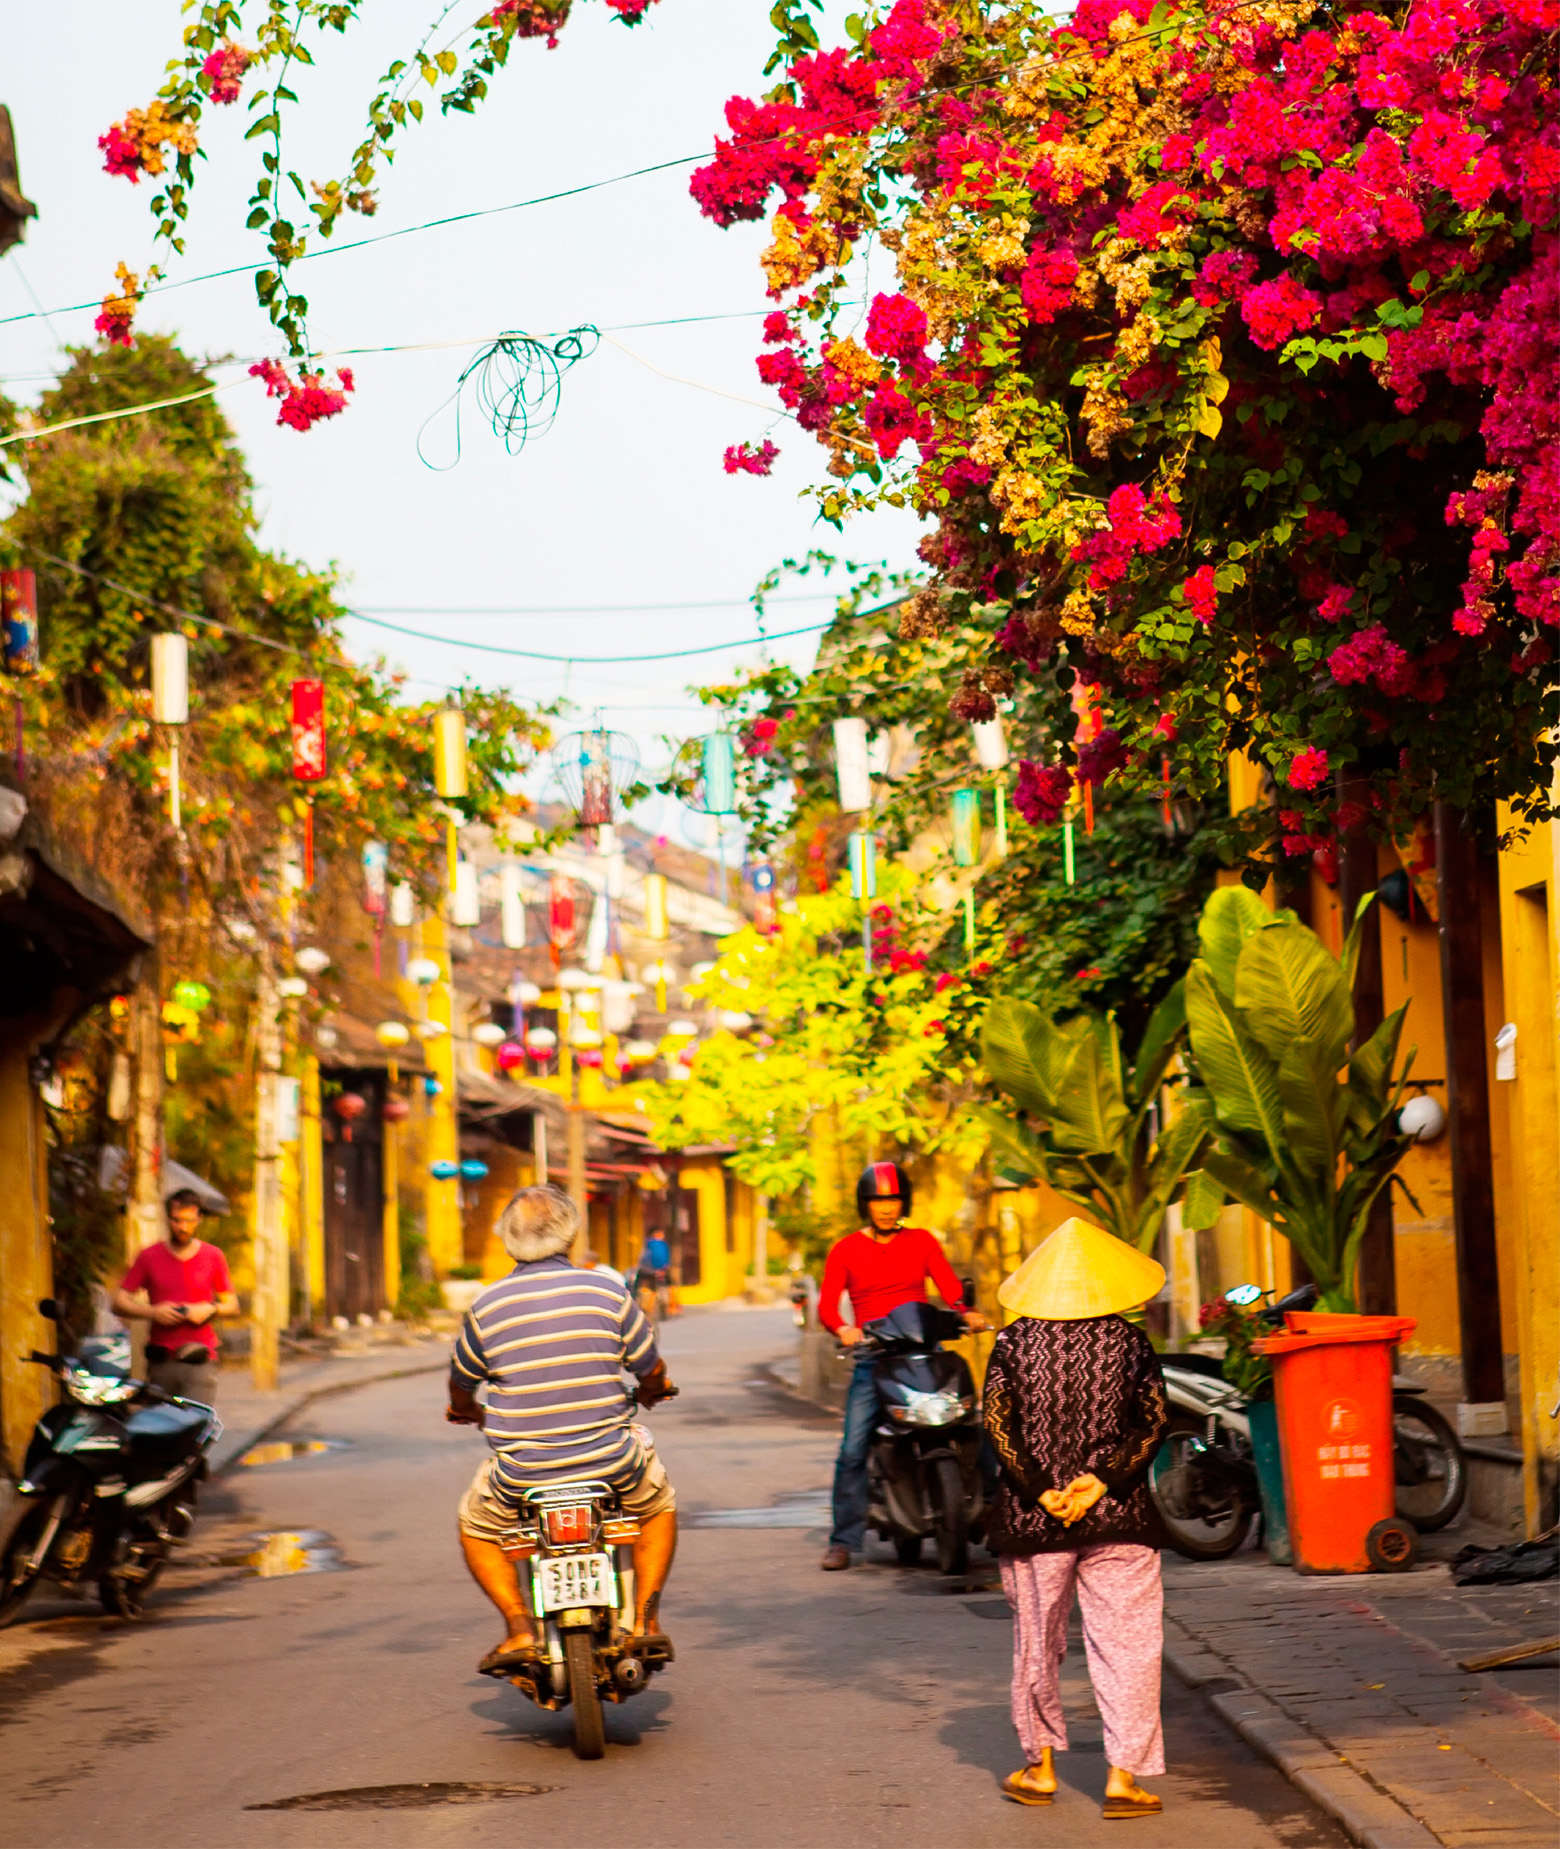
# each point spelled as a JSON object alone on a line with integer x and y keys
{"x": 1350, "y": 1685}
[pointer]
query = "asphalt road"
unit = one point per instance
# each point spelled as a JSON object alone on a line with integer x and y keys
{"x": 857, "y": 1709}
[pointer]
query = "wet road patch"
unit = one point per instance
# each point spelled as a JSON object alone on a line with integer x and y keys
{"x": 404, "y": 1797}
{"x": 810, "y": 1510}
{"x": 284, "y": 1450}
{"x": 277, "y": 1553}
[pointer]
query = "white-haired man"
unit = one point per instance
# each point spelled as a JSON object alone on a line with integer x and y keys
{"x": 551, "y": 1342}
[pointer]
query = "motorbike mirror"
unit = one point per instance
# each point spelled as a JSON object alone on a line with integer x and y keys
{"x": 968, "y": 1294}
{"x": 51, "y": 1309}
{"x": 1243, "y": 1294}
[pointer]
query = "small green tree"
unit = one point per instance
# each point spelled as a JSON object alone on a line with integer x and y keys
{"x": 1086, "y": 1122}
{"x": 1307, "y": 1132}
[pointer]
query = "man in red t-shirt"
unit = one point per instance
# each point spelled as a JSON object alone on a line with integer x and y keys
{"x": 884, "y": 1265}
{"x": 180, "y": 1286}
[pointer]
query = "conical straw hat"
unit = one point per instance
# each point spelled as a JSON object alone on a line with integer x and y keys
{"x": 1081, "y": 1271}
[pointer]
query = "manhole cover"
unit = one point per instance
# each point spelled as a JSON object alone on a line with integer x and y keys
{"x": 403, "y": 1797}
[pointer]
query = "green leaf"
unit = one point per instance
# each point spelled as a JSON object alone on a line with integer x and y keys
{"x": 1025, "y": 1054}
{"x": 1202, "y": 1202}
{"x": 1289, "y": 986}
{"x": 1370, "y": 1066}
{"x": 1160, "y": 1038}
{"x": 1015, "y": 1148}
{"x": 1236, "y": 1068}
{"x": 1241, "y": 1181}
{"x": 1313, "y": 1108}
{"x": 1231, "y": 915}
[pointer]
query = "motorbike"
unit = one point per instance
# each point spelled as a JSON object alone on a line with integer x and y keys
{"x": 574, "y": 1546}
{"x": 924, "y": 1473}
{"x": 109, "y": 1482}
{"x": 1204, "y": 1477}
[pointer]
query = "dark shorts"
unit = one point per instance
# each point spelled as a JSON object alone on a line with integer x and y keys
{"x": 189, "y": 1380}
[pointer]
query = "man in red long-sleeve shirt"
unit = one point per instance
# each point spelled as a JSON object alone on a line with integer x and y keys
{"x": 884, "y": 1265}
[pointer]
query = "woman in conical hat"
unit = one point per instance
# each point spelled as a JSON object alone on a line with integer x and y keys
{"x": 1075, "y": 1408}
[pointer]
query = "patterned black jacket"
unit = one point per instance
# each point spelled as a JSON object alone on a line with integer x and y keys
{"x": 1063, "y": 1399}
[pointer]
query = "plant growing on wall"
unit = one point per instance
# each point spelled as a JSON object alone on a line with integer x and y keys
{"x": 1307, "y": 1132}
{"x": 1084, "y": 1120}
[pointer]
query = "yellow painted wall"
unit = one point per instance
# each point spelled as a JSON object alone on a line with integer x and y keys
{"x": 26, "y": 1261}
{"x": 704, "y": 1176}
{"x": 1530, "y": 930}
{"x": 441, "y": 1139}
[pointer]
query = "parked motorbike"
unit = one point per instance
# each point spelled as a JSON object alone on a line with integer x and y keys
{"x": 109, "y": 1481}
{"x": 579, "y": 1545}
{"x": 923, "y": 1471}
{"x": 1204, "y": 1478}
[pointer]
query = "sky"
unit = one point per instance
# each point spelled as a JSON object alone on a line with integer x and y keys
{"x": 624, "y": 501}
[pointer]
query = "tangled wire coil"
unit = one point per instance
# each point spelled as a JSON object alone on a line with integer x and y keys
{"x": 518, "y": 380}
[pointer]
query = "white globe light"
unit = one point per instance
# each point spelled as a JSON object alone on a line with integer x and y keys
{"x": 431, "y": 1030}
{"x": 489, "y": 1033}
{"x": 423, "y": 971}
{"x": 294, "y": 988}
{"x": 584, "y": 1036}
{"x": 392, "y": 1033}
{"x": 540, "y": 1040}
{"x": 326, "y": 1037}
{"x": 735, "y": 1021}
{"x": 641, "y": 1052}
{"x": 683, "y": 1030}
{"x": 574, "y": 980}
{"x": 1422, "y": 1118}
{"x": 312, "y": 960}
{"x": 528, "y": 994}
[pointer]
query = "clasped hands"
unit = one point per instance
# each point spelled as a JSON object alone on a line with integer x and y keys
{"x": 1069, "y": 1504}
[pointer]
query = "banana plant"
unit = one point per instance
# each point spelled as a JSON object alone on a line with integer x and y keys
{"x": 1307, "y": 1134}
{"x": 1085, "y": 1122}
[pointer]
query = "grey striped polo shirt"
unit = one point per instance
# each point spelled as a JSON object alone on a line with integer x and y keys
{"x": 551, "y": 1341}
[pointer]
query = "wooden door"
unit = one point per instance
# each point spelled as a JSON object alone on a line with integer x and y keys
{"x": 354, "y": 1217}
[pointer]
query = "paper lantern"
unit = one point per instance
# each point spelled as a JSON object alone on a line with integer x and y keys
{"x": 473, "y": 1170}
{"x": 966, "y": 827}
{"x": 392, "y": 1034}
{"x": 525, "y": 994}
{"x": 488, "y": 1033}
{"x": 593, "y": 770}
{"x": 170, "y": 679}
{"x": 561, "y": 914}
{"x": 431, "y": 1030}
{"x": 862, "y": 849}
{"x": 349, "y": 1107}
{"x": 850, "y": 765}
{"x": 991, "y": 751}
{"x": 376, "y": 878}
{"x": 424, "y": 971}
{"x": 719, "y": 793}
{"x": 466, "y": 896}
{"x": 657, "y": 925}
{"x": 509, "y": 1056}
{"x": 292, "y": 988}
{"x": 444, "y": 1171}
{"x": 395, "y": 1110}
{"x": 192, "y": 995}
{"x": 449, "y": 752}
{"x": 541, "y": 1042}
{"x": 19, "y": 612}
{"x": 403, "y": 905}
{"x": 640, "y": 1052}
{"x": 312, "y": 960}
{"x": 308, "y": 730}
{"x": 511, "y": 908}
{"x": 432, "y": 1086}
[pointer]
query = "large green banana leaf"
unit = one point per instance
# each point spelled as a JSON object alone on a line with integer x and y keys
{"x": 1179, "y": 1145}
{"x": 1314, "y": 1110}
{"x": 1026, "y": 1053}
{"x": 1231, "y": 916}
{"x": 1203, "y": 1201}
{"x": 1089, "y": 1115}
{"x": 1288, "y": 986}
{"x": 1157, "y": 1048}
{"x": 1236, "y": 1069}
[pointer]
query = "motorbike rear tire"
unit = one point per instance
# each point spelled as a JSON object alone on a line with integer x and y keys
{"x": 1182, "y": 1532}
{"x": 1429, "y": 1512}
{"x": 952, "y": 1531}
{"x": 590, "y": 1726}
{"x": 16, "y": 1591}
{"x": 126, "y": 1598}
{"x": 907, "y": 1549}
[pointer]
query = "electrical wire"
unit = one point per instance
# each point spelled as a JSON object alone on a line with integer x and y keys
{"x": 586, "y": 661}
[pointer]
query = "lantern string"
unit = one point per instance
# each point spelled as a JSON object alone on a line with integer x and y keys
{"x": 518, "y": 380}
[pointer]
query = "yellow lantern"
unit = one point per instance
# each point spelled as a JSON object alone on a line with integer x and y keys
{"x": 656, "y": 919}
{"x": 449, "y": 769}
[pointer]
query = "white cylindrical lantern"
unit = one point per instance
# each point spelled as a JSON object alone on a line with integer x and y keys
{"x": 991, "y": 751}
{"x": 489, "y": 1033}
{"x": 423, "y": 971}
{"x": 850, "y": 765}
{"x": 511, "y": 908}
{"x": 403, "y": 905}
{"x": 170, "y": 679}
{"x": 466, "y": 899}
{"x": 312, "y": 960}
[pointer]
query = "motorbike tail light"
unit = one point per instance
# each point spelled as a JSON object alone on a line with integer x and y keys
{"x": 570, "y": 1525}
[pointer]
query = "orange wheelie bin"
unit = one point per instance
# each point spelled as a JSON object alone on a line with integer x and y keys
{"x": 1332, "y": 1381}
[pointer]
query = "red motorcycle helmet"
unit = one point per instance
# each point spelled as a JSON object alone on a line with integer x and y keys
{"x": 882, "y": 1181}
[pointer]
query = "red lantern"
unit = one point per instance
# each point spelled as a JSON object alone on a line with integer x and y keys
{"x": 560, "y": 915}
{"x": 510, "y": 1055}
{"x": 588, "y": 1056}
{"x": 396, "y": 1109}
{"x": 308, "y": 752}
{"x": 349, "y": 1107}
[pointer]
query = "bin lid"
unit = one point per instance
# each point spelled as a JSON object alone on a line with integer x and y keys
{"x": 1321, "y": 1328}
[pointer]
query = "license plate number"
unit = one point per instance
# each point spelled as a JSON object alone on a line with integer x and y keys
{"x": 575, "y": 1579}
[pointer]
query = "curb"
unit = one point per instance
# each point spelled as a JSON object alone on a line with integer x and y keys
{"x": 294, "y": 1406}
{"x": 1366, "y": 1815}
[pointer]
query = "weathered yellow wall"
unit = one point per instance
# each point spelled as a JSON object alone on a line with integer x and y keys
{"x": 1530, "y": 929}
{"x": 441, "y": 1140}
{"x": 26, "y": 1263}
{"x": 705, "y": 1177}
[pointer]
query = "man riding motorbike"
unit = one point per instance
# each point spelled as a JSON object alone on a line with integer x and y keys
{"x": 551, "y": 1341}
{"x": 882, "y": 1266}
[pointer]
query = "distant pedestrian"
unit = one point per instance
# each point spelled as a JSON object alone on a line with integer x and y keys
{"x": 1075, "y": 1409}
{"x": 180, "y": 1286}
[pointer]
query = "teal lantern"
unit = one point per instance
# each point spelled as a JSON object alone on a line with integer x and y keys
{"x": 720, "y": 775}
{"x": 966, "y": 853}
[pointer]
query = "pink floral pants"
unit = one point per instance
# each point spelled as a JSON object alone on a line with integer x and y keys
{"x": 1122, "y": 1602}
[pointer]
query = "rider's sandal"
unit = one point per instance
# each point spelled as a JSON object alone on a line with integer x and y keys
{"x": 1017, "y": 1787}
{"x": 1145, "y": 1805}
{"x": 506, "y": 1662}
{"x": 655, "y": 1648}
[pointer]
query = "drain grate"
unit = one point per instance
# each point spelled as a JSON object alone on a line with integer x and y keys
{"x": 403, "y": 1797}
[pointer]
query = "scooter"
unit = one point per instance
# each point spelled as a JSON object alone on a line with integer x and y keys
{"x": 109, "y": 1481}
{"x": 923, "y": 1471}
{"x": 1204, "y": 1478}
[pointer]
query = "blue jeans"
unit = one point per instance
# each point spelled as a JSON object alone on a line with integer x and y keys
{"x": 850, "y": 1473}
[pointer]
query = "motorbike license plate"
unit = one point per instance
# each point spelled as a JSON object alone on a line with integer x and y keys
{"x": 563, "y": 1580}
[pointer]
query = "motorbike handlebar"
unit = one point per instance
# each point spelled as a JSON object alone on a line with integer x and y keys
{"x": 55, "y": 1363}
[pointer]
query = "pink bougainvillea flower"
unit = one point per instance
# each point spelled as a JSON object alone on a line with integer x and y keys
{"x": 896, "y": 330}
{"x": 306, "y": 400}
{"x": 760, "y": 736}
{"x": 750, "y": 458}
{"x": 224, "y": 70}
{"x": 1308, "y": 769}
{"x": 1201, "y": 594}
{"x": 1042, "y": 792}
{"x": 1100, "y": 756}
{"x": 1277, "y": 311}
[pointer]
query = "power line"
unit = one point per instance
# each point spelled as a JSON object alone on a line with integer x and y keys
{"x": 573, "y": 609}
{"x": 586, "y": 661}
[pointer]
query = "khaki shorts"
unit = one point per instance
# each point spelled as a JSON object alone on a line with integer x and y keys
{"x": 486, "y": 1517}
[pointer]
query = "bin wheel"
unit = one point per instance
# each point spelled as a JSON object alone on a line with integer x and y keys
{"x": 1392, "y": 1546}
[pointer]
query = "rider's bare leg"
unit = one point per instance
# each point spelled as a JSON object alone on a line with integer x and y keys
{"x": 494, "y": 1572}
{"x": 653, "y": 1553}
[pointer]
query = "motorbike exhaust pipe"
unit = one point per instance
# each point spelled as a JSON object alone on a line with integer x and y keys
{"x": 629, "y": 1674}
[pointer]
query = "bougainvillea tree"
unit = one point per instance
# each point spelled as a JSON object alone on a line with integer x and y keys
{"x": 251, "y": 52}
{"x": 1221, "y": 356}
